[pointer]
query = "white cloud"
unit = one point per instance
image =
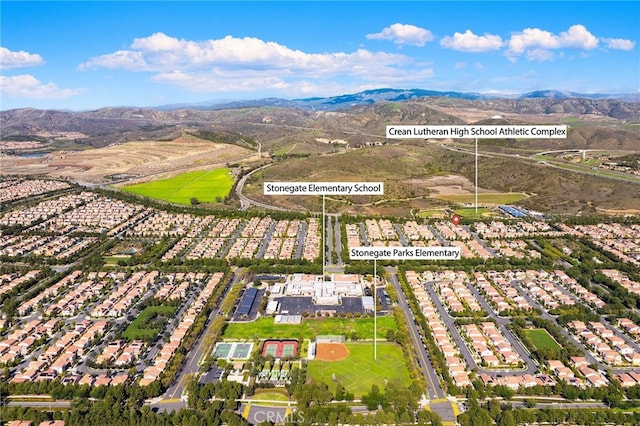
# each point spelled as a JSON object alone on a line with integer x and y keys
{"x": 249, "y": 64}
{"x": 161, "y": 53}
{"x": 403, "y": 34}
{"x": 579, "y": 37}
{"x": 536, "y": 43}
{"x": 221, "y": 80}
{"x": 124, "y": 59}
{"x": 539, "y": 55}
{"x": 469, "y": 42}
{"x": 619, "y": 43}
{"x": 460, "y": 65}
{"x": 10, "y": 60}
{"x": 27, "y": 86}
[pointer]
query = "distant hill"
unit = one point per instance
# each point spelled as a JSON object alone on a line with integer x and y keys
{"x": 351, "y": 117}
{"x": 392, "y": 95}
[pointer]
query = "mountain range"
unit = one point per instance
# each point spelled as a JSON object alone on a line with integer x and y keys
{"x": 364, "y": 113}
{"x": 333, "y": 103}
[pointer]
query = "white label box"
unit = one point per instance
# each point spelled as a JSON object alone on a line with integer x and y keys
{"x": 324, "y": 188}
{"x": 482, "y": 132}
{"x": 404, "y": 253}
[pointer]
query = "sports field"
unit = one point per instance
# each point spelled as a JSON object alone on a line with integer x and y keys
{"x": 470, "y": 212}
{"x": 234, "y": 350}
{"x": 484, "y": 198}
{"x": 264, "y": 328}
{"x": 431, "y": 213}
{"x": 358, "y": 371}
{"x": 280, "y": 348}
{"x": 205, "y": 185}
{"x": 541, "y": 339}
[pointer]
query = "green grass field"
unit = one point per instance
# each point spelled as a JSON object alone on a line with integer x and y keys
{"x": 429, "y": 213}
{"x": 205, "y": 185}
{"x": 470, "y": 212}
{"x": 264, "y": 328}
{"x": 465, "y": 212}
{"x": 359, "y": 370}
{"x": 486, "y": 198}
{"x": 542, "y": 339}
{"x": 271, "y": 395}
{"x": 139, "y": 327}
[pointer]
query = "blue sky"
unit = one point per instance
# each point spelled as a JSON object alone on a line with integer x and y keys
{"x": 83, "y": 55}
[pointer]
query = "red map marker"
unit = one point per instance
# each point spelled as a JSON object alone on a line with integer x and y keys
{"x": 455, "y": 219}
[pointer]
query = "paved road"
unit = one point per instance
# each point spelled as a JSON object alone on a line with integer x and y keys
{"x": 337, "y": 240}
{"x": 546, "y": 315}
{"x": 439, "y": 403}
{"x": 403, "y": 239}
{"x": 437, "y": 235}
{"x": 245, "y": 202}
{"x": 256, "y": 414}
{"x": 545, "y": 163}
{"x": 196, "y": 354}
{"x": 53, "y": 405}
{"x": 265, "y": 241}
{"x": 515, "y": 343}
{"x": 363, "y": 235}
{"x": 464, "y": 349}
{"x": 302, "y": 235}
{"x": 328, "y": 230}
{"x": 434, "y": 391}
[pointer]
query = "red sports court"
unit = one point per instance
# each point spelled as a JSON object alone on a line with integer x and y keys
{"x": 280, "y": 348}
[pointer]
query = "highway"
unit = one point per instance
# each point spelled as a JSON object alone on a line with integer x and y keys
{"x": 546, "y": 163}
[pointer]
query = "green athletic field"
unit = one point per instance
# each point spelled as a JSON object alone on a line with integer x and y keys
{"x": 541, "y": 339}
{"x": 359, "y": 370}
{"x": 264, "y": 328}
{"x": 484, "y": 198}
{"x": 205, "y": 185}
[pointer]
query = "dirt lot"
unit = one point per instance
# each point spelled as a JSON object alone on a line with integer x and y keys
{"x": 447, "y": 185}
{"x": 135, "y": 159}
{"x": 331, "y": 351}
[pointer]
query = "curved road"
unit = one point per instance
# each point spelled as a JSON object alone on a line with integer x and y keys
{"x": 245, "y": 202}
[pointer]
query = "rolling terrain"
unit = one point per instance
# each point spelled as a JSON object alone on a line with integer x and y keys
{"x": 306, "y": 138}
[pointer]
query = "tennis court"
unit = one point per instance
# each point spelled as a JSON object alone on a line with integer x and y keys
{"x": 241, "y": 350}
{"x": 222, "y": 350}
{"x": 233, "y": 350}
{"x": 280, "y": 348}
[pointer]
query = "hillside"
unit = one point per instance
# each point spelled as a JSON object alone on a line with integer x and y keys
{"x": 269, "y": 124}
{"x": 349, "y": 144}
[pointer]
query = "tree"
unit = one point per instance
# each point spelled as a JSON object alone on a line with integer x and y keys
{"x": 374, "y": 398}
{"x": 340, "y": 392}
{"x": 507, "y": 419}
{"x": 494, "y": 408}
{"x": 194, "y": 201}
{"x": 476, "y": 416}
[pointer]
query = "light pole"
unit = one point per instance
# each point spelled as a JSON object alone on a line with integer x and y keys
{"x": 476, "y": 176}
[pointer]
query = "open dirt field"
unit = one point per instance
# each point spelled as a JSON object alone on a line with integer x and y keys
{"x": 137, "y": 159}
{"x": 447, "y": 185}
{"x": 331, "y": 351}
{"x": 472, "y": 114}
